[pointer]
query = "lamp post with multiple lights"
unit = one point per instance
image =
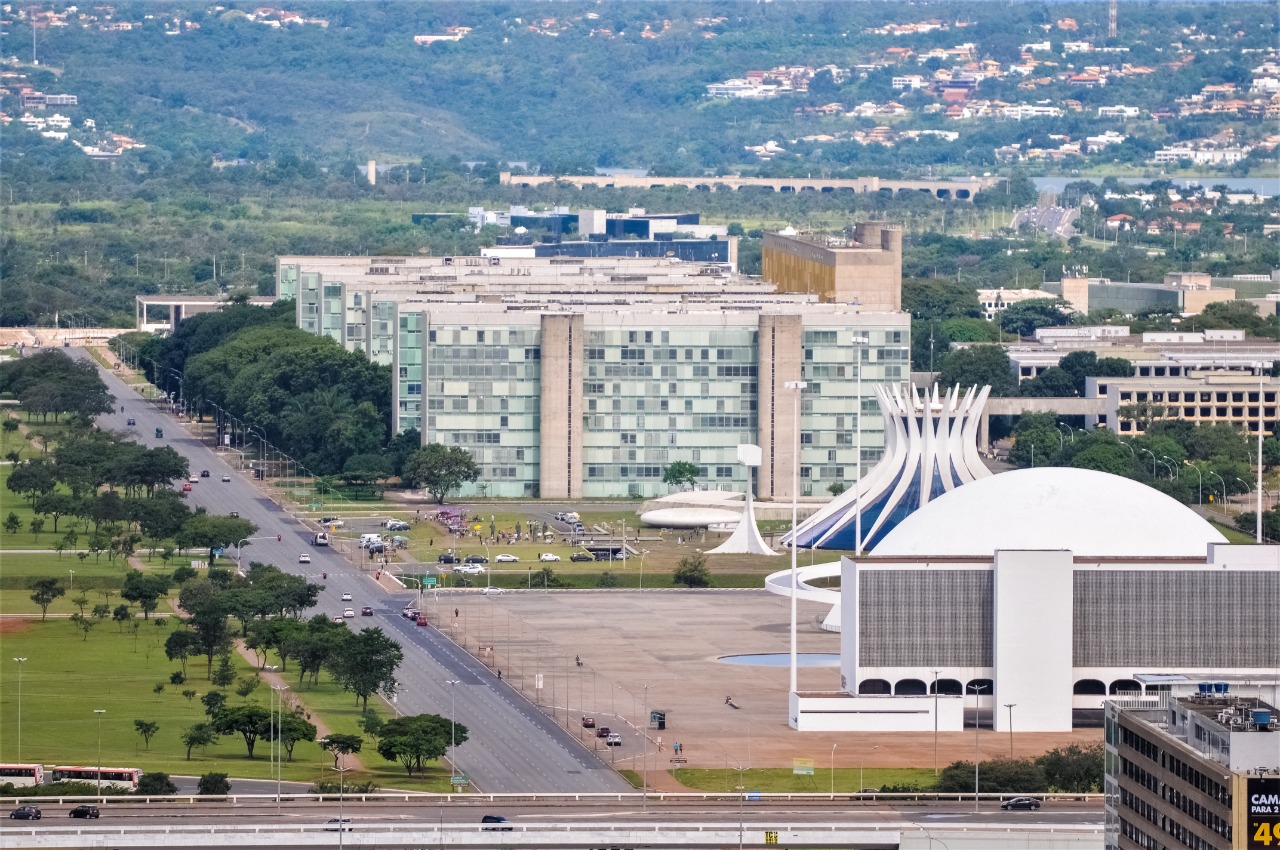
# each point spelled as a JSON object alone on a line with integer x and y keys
{"x": 798, "y": 387}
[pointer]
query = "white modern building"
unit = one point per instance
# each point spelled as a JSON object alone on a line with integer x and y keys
{"x": 1047, "y": 589}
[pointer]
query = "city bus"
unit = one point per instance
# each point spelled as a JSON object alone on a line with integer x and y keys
{"x": 22, "y": 775}
{"x": 123, "y": 777}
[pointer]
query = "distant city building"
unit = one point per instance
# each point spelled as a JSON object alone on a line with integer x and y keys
{"x": 865, "y": 269}
{"x": 582, "y": 377}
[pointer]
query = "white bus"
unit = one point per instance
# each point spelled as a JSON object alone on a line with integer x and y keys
{"x": 22, "y": 775}
{"x": 122, "y": 777}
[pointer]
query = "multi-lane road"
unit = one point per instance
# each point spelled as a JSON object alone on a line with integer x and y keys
{"x": 511, "y": 746}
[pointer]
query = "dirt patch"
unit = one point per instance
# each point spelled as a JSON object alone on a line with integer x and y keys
{"x": 14, "y": 625}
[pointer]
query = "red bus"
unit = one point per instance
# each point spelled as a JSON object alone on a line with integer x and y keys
{"x": 22, "y": 774}
{"x": 125, "y": 777}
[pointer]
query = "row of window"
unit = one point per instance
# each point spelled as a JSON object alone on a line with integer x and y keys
{"x": 1197, "y": 396}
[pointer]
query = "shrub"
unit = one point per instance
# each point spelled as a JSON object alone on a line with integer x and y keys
{"x": 692, "y": 571}
{"x": 156, "y": 785}
{"x": 176, "y": 678}
{"x": 214, "y": 784}
{"x": 608, "y": 579}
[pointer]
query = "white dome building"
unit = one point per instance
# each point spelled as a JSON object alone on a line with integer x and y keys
{"x": 1048, "y": 589}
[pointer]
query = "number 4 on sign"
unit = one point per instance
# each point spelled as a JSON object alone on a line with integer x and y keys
{"x": 1265, "y": 835}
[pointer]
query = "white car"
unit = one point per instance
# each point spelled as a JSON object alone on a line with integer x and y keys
{"x": 225, "y": 479}
{"x": 492, "y": 591}
{"x": 346, "y": 597}
{"x": 332, "y": 522}
{"x": 548, "y": 556}
{"x": 469, "y": 570}
{"x": 196, "y": 480}
{"x": 304, "y": 558}
{"x": 506, "y": 559}
{"x": 350, "y": 612}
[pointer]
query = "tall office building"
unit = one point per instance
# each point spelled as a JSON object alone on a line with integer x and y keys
{"x": 571, "y": 377}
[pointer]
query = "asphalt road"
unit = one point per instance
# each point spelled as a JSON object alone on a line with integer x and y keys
{"x": 1052, "y": 220}
{"x": 511, "y": 745}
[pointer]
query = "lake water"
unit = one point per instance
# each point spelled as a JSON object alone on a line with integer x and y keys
{"x": 1269, "y": 186}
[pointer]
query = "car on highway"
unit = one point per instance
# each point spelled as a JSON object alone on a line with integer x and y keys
{"x": 421, "y": 619}
{"x": 366, "y": 611}
{"x": 26, "y": 813}
{"x": 346, "y": 614}
{"x": 225, "y": 479}
{"x": 89, "y": 811}
{"x": 469, "y": 570}
{"x": 193, "y": 479}
{"x": 204, "y": 473}
{"x": 1024, "y": 803}
{"x": 492, "y": 591}
{"x": 132, "y": 421}
{"x": 234, "y": 515}
{"x": 337, "y": 824}
{"x": 614, "y": 740}
{"x": 346, "y": 597}
{"x": 186, "y": 488}
{"x": 582, "y": 556}
{"x": 588, "y": 722}
{"x": 497, "y": 823}
{"x": 504, "y": 558}
{"x": 337, "y": 619}
{"x": 304, "y": 558}
{"x": 548, "y": 556}
{"x": 331, "y": 521}
{"x": 410, "y": 613}
{"x": 475, "y": 559}
{"x": 602, "y": 732}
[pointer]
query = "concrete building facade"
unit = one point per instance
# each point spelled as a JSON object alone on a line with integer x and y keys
{"x": 585, "y": 378}
{"x": 865, "y": 270}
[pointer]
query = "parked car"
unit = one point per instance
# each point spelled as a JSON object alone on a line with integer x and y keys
{"x": 346, "y": 597}
{"x": 131, "y": 421}
{"x": 86, "y": 811}
{"x": 25, "y": 813}
{"x": 446, "y": 558}
{"x": 366, "y": 611}
{"x": 347, "y": 613}
{"x": 304, "y": 558}
{"x": 469, "y": 570}
{"x": 614, "y": 740}
{"x": 1025, "y": 803}
{"x": 337, "y": 824}
{"x": 582, "y": 556}
{"x": 548, "y": 556}
{"x": 504, "y": 558}
{"x": 501, "y": 823}
{"x": 225, "y": 479}
{"x": 331, "y": 521}
{"x": 396, "y": 525}
{"x": 204, "y": 473}
{"x": 588, "y": 722}
{"x": 492, "y": 591}
{"x": 475, "y": 559}
{"x": 602, "y": 732}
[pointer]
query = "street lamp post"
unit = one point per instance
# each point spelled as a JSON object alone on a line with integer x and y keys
{"x": 453, "y": 719}
{"x": 977, "y": 694}
{"x": 1258, "y": 512}
{"x": 279, "y": 695}
{"x": 935, "y": 721}
{"x": 99, "y": 712}
{"x": 73, "y": 579}
{"x": 833, "y": 770}
{"x": 342, "y": 790}
{"x": 1010, "y": 705}
{"x": 644, "y": 759}
{"x": 1199, "y": 485}
{"x": 20, "y": 660}
{"x": 1153, "y": 460}
{"x": 1173, "y": 466}
{"x": 861, "y": 768}
{"x": 798, "y": 387}
{"x": 643, "y": 552}
{"x": 1224, "y": 490}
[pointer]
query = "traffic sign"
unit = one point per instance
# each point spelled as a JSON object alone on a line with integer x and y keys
{"x": 429, "y": 581}
{"x": 460, "y": 779}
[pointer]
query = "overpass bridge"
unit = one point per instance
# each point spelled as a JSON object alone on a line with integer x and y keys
{"x": 1016, "y": 406}
{"x": 962, "y": 189}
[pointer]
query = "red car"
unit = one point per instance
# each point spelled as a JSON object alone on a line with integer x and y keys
{"x": 186, "y": 488}
{"x": 422, "y": 619}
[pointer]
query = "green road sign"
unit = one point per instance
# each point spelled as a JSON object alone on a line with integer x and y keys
{"x": 429, "y": 581}
{"x": 461, "y": 779}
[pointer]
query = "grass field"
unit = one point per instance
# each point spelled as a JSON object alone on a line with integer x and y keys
{"x": 66, "y": 678}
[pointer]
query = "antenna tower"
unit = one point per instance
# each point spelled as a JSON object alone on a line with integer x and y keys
{"x": 1111, "y": 19}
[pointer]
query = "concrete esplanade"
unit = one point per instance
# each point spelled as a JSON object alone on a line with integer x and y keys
{"x": 963, "y": 189}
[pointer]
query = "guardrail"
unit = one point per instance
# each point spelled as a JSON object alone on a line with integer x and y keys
{"x": 921, "y": 797}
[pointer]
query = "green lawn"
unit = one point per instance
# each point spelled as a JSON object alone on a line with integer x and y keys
{"x": 66, "y": 678}
{"x": 782, "y": 780}
{"x": 1233, "y": 534}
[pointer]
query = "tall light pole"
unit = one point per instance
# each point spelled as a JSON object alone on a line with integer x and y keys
{"x": 798, "y": 387}
{"x": 453, "y": 718}
{"x": 1172, "y": 466}
{"x": 644, "y": 761}
{"x": 279, "y": 694}
{"x": 859, "y": 343}
{"x": 977, "y": 695}
{"x": 99, "y": 712}
{"x": 1258, "y": 513}
{"x": 861, "y": 768}
{"x": 20, "y": 660}
{"x": 1153, "y": 460}
{"x": 342, "y": 790}
{"x": 833, "y": 769}
{"x": 1224, "y": 491}
{"x": 1010, "y": 705}
{"x": 935, "y": 721}
{"x": 1199, "y": 484}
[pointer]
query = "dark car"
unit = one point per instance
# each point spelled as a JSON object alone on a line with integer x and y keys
{"x": 587, "y": 722}
{"x": 601, "y": 731}
{"x": 204, "y": 473}
{"x": 1025, "y": 803}
{"x": 475, "y": 559}
{"x": 131, "y": 421}
{"x": 447, "y": 559}
{"x": 366, "y": 611}
{"x": 582, "y": 556}
{"x": 25, "y": 813}
{"x": 337, "y": 824}
{"x": 87, "y": 811}
{"x": 503, "y": 825}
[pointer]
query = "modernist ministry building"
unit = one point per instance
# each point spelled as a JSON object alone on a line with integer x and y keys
{"x": 570, "y": 377}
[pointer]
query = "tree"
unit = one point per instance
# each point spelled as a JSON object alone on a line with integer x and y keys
{"x": 996, "y": 776}
{"x": 213, "y": 532}
{"x": 366, "y": 469}
{"x": 145, "y": 590}
{"x": 1074, "y": 769}
{"x": 979, "y": 365}
{"x": 12, "y": 523}
{"x": 249, "y": 721}
{"x": 212, "y": 784}
{"x": 680, "y": 473}
{"x": 37, "y": 526}
{"x": 179, "y": 646}
{"x": 200, "y": 735}
{"x": 366, "y": 663}
{"x": 292, "y": 729}
{"x": 147, "y": 730}
{"x": 341, "y": 745}
{"x": 226, "y": 672}
{"x": 83, "y": 623}
{"x": 417, "y": 739}
{"x": 32, "y": 479}
{"x": 440, "y": 469}
{"x": 44, "y": 591}
{"x": 370, "y": 723}
{"x": 214, "y": 702}
{"x": 1053, "y": 382}
{"x": 247, "y": 685}
{"x": 692, "y": 571}
{"x": 156, "y": 785}
{"x": 1025, "y": 317}
{"x": 206, "y": 608}
{"x": 121, "y": 615}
